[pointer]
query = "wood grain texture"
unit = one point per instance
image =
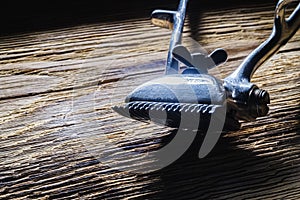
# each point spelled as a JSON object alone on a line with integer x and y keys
{"x": 60, "y": 140}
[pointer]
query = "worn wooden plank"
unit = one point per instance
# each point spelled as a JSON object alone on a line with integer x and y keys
{"x": 60, "y": 139}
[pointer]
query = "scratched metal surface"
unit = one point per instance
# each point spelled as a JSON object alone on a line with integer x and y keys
{"x": 60, "y": 140}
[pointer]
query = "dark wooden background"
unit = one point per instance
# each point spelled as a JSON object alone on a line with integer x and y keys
{"x": 26, "y": 16}
{"x": 59, "y": 139}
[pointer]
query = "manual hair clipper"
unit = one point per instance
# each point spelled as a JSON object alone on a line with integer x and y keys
{"x": 196, "y": 93}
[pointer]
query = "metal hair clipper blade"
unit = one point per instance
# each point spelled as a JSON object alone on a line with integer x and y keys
{"x": 196, "y": 93}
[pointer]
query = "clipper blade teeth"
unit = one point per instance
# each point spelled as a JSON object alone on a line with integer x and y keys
{"x": 168, "y": 114}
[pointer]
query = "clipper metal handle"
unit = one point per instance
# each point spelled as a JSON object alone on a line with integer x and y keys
{"x": 172, "y": 20}
{"x": 283, "y": 30}
{"x": 246, "y": 100}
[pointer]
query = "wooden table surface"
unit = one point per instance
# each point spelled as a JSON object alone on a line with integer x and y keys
{"x": 60, "y": 139}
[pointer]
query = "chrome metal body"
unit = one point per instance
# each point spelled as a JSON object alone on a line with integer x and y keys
{"x": 200, "y": 92}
